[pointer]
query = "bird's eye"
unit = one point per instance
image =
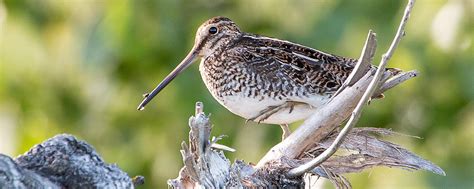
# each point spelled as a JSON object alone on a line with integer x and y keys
{"x": 213, "y": 30}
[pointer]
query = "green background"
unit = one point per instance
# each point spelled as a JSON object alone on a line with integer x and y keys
{"x": 81, "y": 66}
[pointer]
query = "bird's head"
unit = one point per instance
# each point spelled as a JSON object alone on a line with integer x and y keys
{"x": 211, "y": 34}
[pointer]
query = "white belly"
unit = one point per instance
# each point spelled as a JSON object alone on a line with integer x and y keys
{"x": 251, "y": 107}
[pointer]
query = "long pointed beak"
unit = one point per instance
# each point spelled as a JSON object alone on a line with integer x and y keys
{"x": 183, "y": 65}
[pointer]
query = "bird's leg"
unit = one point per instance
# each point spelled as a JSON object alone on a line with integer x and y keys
{"x": 286, "y": 131}
{"x": 269, "y": 111}
{"x": 266, "y": 113}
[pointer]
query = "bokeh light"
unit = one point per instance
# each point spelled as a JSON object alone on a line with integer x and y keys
{"x": 81, "y": 66}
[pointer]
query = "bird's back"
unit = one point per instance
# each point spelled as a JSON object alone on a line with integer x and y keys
{"x": 281, "y": 68}
{"x": 253, "y": 72}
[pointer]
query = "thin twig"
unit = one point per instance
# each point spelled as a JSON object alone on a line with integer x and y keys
{"x": 298, "y": 171}
{"x": 395, "y": 80}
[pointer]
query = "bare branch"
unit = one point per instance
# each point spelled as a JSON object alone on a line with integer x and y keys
{"x": 344, "y": 132}
{"x": 357, "y": 111}
{"x": 318, "y": 126}
{"x": 394, "y": 81}
{"x": 400, "y": 33}
{"x": 363, "y": 63}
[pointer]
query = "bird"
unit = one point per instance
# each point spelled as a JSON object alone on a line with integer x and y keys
{"x": 259, "y": 78}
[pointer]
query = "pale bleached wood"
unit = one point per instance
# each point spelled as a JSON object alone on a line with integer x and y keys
{"x": 376, "y": 81}
{"x": 318, "y": 126}
{"x": 331, "y": 115}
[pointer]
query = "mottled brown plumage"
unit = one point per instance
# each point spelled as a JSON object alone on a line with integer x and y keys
{"x": 261, "y": 78}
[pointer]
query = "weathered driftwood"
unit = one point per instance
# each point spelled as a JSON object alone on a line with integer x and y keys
{"x": 62, "y": 162}
{"x": 207, "y": 167}
{"x": 310, "y": 148}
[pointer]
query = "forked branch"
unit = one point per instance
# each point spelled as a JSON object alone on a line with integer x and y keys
{"x": 376, "y": 82}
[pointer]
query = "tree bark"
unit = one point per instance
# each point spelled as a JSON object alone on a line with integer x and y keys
{"x": 62, "y": 162}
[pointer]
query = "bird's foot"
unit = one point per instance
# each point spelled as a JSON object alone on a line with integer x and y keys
{"x": 269, "y": 111}
{"x": 265, "y": 114}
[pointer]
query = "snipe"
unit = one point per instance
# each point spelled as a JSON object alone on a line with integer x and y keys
{"x": 260, "y": 78}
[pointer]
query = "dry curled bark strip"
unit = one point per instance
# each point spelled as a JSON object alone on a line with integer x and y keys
{"x": 362, "y": 150}
{"x": 204, "y": 167}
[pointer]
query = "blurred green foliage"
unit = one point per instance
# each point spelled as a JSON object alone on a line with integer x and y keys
{"x": 81, "y": 66}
